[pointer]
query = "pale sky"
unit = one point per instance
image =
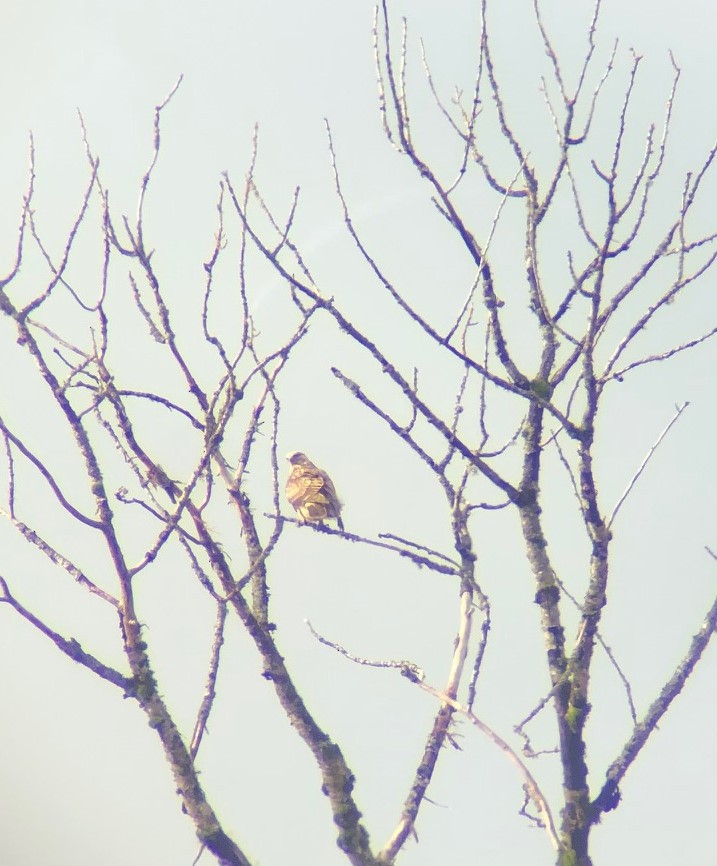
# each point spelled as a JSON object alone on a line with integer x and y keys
{"x": 84, "y": 778}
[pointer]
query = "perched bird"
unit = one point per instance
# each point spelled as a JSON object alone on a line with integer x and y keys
{"x": 311, "y": 491}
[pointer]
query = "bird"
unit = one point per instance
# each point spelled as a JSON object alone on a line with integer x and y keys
{"x": 311, "y": 492}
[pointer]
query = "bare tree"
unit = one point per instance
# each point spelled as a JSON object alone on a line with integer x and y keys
{"x": 603, "y": 259}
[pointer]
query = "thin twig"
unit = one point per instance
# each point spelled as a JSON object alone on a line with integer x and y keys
{"x": 532, "y": 786}
{"x": 648, "y": 457}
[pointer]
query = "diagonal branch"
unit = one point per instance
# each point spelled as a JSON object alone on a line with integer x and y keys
{"x": 609, "y": 795}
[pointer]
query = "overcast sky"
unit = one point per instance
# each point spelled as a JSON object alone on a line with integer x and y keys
{"x": 84, "y": 779}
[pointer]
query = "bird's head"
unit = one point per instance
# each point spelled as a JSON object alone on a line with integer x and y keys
{"x": 297, "y": 457}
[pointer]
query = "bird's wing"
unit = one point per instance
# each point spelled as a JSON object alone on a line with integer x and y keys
{"x": 302, "y": 486}
{"x": 330, "y": 497}
{"x": 329, "y": 485}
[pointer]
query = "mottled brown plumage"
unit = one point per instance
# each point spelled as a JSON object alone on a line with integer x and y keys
{"x": 311, "y": 491}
